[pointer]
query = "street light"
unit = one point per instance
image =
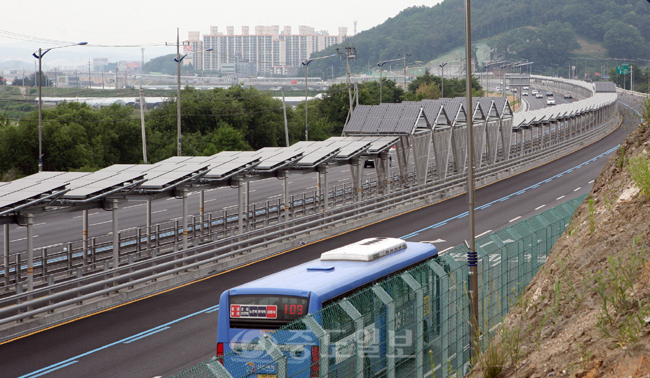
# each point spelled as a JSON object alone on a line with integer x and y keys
{"x": 442, "y": 82}
{"x": 178, "y": 61}
{"x": 306, "y": 64}
{"x": 381, "y": 70}
{"x": 39, "y": 55}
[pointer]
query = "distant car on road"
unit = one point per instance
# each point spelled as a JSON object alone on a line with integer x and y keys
{"x": 549, "y": 93}
{"x": 539, "y": 95}
{"x": 568, "y": 95}
{"x": 550, "y": 101}
{"x": 525, "y": 88}
{"x": 534, "y": 91}
{"x": 525, "y": 94}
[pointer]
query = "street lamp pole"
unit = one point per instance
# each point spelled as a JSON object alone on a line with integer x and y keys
{"x": 40, "y": 55}
{"x": 306, "y": 64}
{"x": 381, "y": 71}
{"x": 442, "y": 82}
{"x": 178, "y": 61}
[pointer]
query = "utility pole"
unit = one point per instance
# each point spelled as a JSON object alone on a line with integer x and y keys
{"x": 178, "y": 93}
{"x": 142, "y": 64}
{"x": 404, "y": 56}
{"x": 350, "y": 53}
{"x": 143, "y": 105}
{"x": 472, "y": 257}
{"x": 117, "y": 68}
{"x": 56, "y": 81}
{"x": 89, "y": 81}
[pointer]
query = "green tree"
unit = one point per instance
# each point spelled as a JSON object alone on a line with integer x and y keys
{"x": 623, "y": 40}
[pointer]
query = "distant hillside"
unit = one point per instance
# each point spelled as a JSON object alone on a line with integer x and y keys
{"x": 539, "y": 30}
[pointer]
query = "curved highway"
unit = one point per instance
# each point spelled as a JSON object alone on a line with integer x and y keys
{"x": 174, "y": 330}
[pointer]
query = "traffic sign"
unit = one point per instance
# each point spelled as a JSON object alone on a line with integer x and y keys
{"x": 623, "y": 70}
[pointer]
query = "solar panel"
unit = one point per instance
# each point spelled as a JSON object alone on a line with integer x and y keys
{"x": 98, "y": 182}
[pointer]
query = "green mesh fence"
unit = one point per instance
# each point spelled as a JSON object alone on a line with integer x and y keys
{"x": 414, "y": 324}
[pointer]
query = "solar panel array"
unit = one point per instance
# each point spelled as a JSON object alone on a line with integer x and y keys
{"x": 400, "y": 119}
{"x": 562, "y": 111}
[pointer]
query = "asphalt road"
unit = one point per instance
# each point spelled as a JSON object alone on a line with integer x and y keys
{"x": 169, "y": 332}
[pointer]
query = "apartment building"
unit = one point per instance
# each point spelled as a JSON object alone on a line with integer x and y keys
{"x": 268, "y": 49}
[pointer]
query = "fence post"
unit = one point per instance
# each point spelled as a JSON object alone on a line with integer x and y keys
{"x": 419, "y": 319}
{"x": 276, "y": 354}
{"x": 444, "y": 312}
{"x": 390, "y": 327}
{"x": 324, "y": 344}
{"x": 358, "y": 332}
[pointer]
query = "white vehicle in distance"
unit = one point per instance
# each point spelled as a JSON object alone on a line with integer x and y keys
{"x": 549, "y": 93}
{"x": 534, "y": 91}
{"x": 550, "y": 101}
{"x": 539, "y": 95}
{"x": 568, "y": 95}
{"x": 525, "y": 94}
{"x": 526, "y": 88}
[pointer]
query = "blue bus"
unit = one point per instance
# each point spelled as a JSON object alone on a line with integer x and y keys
{"x": 260, "y": 307}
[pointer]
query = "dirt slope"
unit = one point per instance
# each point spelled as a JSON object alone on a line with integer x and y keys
{"x": 587, "y": 312}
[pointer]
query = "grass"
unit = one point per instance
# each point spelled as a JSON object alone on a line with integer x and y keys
{"x": 639, "y": 169}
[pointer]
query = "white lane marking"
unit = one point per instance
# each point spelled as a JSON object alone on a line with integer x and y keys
{"x": 277, "y": 195}
{"x": 25, "y": 238}
{"x": 210, "y": 200}
{"x": 539, "y": 207}
{"x": 79, "y": 216}
{"x": 559, "y": 198}
{"x": 177, "y": 218}
{"x": 312, "y": 187}
{"x": 40, "y": 224}
{"x": 576, "y": 189}
{"x": 433, "y": 241}
{"x": 486, "y": 232}
{"x": 128, "y": 207}
{"x": 159, "y": 211}
{"x": 97, "y": 224}
{"x": 514, "y": 219}
{"x": 230, "y": 207}
{"x": 591, "y": 182}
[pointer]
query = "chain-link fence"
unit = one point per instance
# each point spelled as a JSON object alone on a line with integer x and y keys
{"x": 414, "y": 324}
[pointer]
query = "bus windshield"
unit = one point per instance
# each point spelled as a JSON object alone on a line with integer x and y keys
{"x": 265, "y": 311}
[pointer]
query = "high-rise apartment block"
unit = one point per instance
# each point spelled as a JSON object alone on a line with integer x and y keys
{"x": 267, "y": 50}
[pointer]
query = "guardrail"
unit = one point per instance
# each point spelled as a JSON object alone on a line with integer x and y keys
{"x": 141, "y": 277}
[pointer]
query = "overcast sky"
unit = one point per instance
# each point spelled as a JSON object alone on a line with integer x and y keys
{"x": 149, "y": 22}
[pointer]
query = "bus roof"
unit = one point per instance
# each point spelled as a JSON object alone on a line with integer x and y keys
{"x": 331, "y": 278}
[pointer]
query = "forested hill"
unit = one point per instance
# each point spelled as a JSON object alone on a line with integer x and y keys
{"x": 622, "y": 26}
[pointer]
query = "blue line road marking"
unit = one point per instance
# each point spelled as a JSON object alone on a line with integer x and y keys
{"x": 127, "y": 340}
{"x": 462, "y": 215}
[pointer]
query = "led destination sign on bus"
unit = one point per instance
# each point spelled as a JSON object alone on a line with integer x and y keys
{"x": 253, "y": 312}
{"x": 260, "y": 307}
